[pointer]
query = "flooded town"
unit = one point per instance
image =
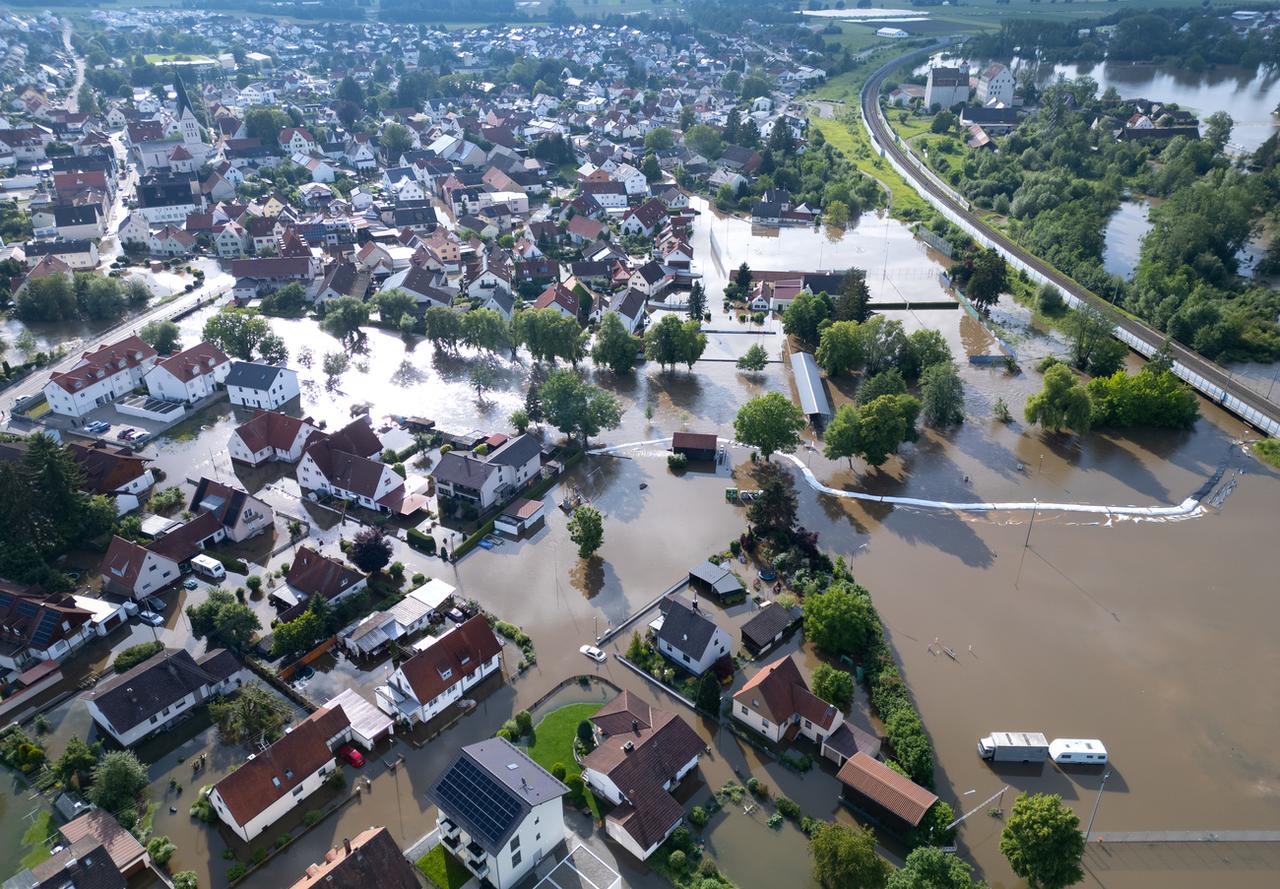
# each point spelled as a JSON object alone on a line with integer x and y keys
{"x": 693, "y": 445}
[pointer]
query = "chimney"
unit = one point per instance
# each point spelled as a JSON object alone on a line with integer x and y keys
{"x": 346, "y": 845}
{"x": 635, "y": 725}
{"x": 695, "y": 603}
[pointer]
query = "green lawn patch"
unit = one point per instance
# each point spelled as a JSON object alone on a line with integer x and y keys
{"x": 443, "y": 869}
{"x": 1268, "y": 451}
{"x": 36, "y": 839}
{"x": 853, "y": 142}
{"x": 552, "y": 743}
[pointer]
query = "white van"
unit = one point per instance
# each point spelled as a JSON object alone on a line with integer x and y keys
{"x": 1079, "y": 751}
{"x": 208, "y": 566}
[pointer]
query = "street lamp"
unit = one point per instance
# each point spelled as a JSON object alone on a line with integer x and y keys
{"x": 1089, "y": 827}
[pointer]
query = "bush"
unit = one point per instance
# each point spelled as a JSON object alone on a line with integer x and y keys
{"x": 136, "y": 654}
{"x": 789, "y": 808}
{"x": 186, "y": 879}
{"x": 678, "y": 861}
{"x": 699, "y": 816}
{"x": 161, "y": 849}
{"x": 524, "y": 721}
{"x": 283, "y": 840}
{"x": 558, "y": 771}
{"x": 235, "y": 872}
{"x": 312, "y": 818}
{"x": 509, "y": 730}
{"x": 677, "y": 461}
{"x": 259, "y": 856}
{"x": 423, "y": 543}
{"x": 758, "y": 788}
{"x": 335, "y": 780}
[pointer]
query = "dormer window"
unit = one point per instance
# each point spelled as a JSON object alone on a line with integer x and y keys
{"x": 446, "y": 673}
{"x": 275, "y": 780}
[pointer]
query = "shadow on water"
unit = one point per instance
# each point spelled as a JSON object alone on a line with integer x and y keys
{"x": 589, "y": 576}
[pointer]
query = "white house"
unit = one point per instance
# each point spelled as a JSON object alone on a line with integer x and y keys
{"x": 325, "y": 467}
{"x": 995, "y": 84}
{"x": 268, "y": 386}
{"x": 630, "y": 307}
{"x": 158, "y": 692}
{"x": 946, "y": 87}
{"x": 276, "y": 781}
{"x": 270, "y": 435}
{"x": 642, "y": 753}
{"x": 134, "y": 571}
{"x": 189, "y": 375}
{"x": 689, "y": 637}
{"x": 499, "y": 811}
{"x": 99, "y": 377}
{"x": 40, "y": 626}
{"x": 777, "y": 697}
{"x": 241, "y": 515}
{"x": 487, "y": 480}
{"x": 427, "y": 683}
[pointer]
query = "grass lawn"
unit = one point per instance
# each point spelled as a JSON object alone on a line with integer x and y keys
{"x": 35, "y": 838}
{"x": 1268, "y": 450}
{"x": 552, "y": 743}
{"x": 443, "y": 869}
{"x": 914, "y": 125}
{"x": 159, "y": 58}
{"x": 855, "y": 145}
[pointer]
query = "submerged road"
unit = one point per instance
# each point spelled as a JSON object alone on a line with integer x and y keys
{"x": 1210, "y": 379}
{"x": 1188, "y": 508}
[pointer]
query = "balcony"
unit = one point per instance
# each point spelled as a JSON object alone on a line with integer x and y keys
{"x": 479, "y": 868}
{"x": 451, "y": 841}
{"x": 448, "y": 828}
{"x": 475, "y": 851}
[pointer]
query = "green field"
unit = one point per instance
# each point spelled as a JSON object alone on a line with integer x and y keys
{"x": 853, "y": 143}
{"x": 163, "y": 58}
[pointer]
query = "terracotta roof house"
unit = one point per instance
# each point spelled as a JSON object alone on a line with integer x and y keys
{"x": 777, "y": 703}
{"x": 269, "y": 436}
{"x": 489, "y": 479}
{"x": 272, "y": 783}
{"x": 881, "y": 793}
{"x": 135, "y": 571}
{"x": 126, "y": 853}
{"x": 160, "y": 691}
{"x": 114, "y": 471}
{"x": 499, "y": 811}
{"x": 438, "y": 675}
{"x": 557, "y": 296}
{"x": 642, "y": 753}
{"x": 189, "y": 375}
{"x": 101, "y": 375}
{"x": 313, "y": 574}
{"x": 370, "y": 858}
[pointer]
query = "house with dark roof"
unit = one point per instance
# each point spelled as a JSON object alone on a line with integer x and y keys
{"x": 883, "y": 795}
{"x": 440, "y": 673}
{"x": 126, "y": 853}
{"x": 716, "y": 582}
{"x": 766, "y": 628}
{"x": 39, "y": 626}
{"x": 270, "y": 435}
{"x": 257, "y": 384}
{"x": 641, "y": 755}
{"x": 241, "y": 515}
{"x": 274, "y": 782}
{"x": 493, "y": 477}
{"x": 314, "y": 574}
{"x": 629, "y": 306}
{"x": 84, "y": 864}
{"x": 160, "y": 691}
{"x": 370, "y": 858}
{"x": 688, "y": 636}
{"x": 643, "y": 221}
{"x": 499, "y": 811}
{"x": 651, "y": 279}
{"x": 777, "y": 703}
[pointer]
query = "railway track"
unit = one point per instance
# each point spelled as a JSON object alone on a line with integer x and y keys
{"x": 1208, "y": 378}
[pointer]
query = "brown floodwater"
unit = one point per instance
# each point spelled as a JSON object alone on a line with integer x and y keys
{"x": 1153, "y": 636}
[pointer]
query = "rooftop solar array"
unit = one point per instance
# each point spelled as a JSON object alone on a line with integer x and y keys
{"x": 477, "y": 798}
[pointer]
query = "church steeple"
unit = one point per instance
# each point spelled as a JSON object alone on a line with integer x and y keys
{"x": 187, "y": 120}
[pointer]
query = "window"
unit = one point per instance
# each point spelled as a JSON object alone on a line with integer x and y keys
{"x": 515, "y": 842}
{"x": 744, "y": 710}
{"x": 297, "y": 790}
{"x": 515, "y": 859}
{"x": 153, "y": 720}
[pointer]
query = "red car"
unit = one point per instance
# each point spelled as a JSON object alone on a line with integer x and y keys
{"x": 350, "y": 755}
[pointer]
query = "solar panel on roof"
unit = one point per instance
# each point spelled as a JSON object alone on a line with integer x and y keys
{"x": 46, "y": 629}
{"x": 27, "y": 609}
{"x": 473, "y": 795}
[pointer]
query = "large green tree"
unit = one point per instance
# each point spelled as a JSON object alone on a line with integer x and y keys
{"x": 343, "y": 318}
{"x": 839, "y": 620}
{"x": 844, "y": 857}
{"x": 223, "y": 621}
{"x": 615, "y": 347}
{"x": 118, "y": 781}
{"x": 771, "y": 423}
{"x": 671, "y": 342}
{"x": 1043, "y": 842}
{"x": 988, "y": 278}
{"x": 443, "y": 327}
{"x": 486, "y": 329}
{"x": 1063, "y": 403}
{"x": 577, "y": 408}
{"x": 833, "y": 685}
{"x": 241, "y": 334}
{"x": 841, "y": 349}
{"x": 806, "y": 316}
{"x": 251, "y": 716}
{"x": 586, "y": 529}
{"x": 928, "y": 867}
{"x": 853, "y": 301}
{"x": 942, "y": 395}
{"x": 872, "y": 431}
{"x": 773, "y": 511}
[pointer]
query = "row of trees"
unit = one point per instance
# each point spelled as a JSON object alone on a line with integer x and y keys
{"x": 1153, "y": 397}
{"x": 82, "y": 297}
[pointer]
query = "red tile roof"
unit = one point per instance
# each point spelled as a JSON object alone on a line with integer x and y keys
{"x": 779, "y": 692}
{"x": 453, "y": 655}
{"x": 882, "y": 785}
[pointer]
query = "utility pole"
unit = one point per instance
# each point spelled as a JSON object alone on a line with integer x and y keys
{"x": 1026, "y": 544}
{"x": 1089, "y": 827}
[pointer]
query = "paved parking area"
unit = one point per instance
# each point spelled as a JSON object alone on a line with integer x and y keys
{"x": 581, "y": 869}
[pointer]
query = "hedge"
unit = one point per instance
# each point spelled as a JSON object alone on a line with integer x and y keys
{"x": 423, "y": 543}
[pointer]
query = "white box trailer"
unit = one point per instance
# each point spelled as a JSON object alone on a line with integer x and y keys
{"x": 1014, "y": 747}
{"x": 208, "y": 566}
{"x": 1083, "y": 751}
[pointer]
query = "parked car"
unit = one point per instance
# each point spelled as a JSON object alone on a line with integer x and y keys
{"x": 126, "y": 433}
{"x": 155, "y": 603}
{"x": 97, "y": 427}
{"x": 456, "y": 615}
{"x": 350, "y": 755}
{"x": 594, "y": 653}
{"x": 190, "y": 583}
{"x": 150, "y": 618}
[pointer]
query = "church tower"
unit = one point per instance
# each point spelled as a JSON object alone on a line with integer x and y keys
{"x": 187, "y": 120}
